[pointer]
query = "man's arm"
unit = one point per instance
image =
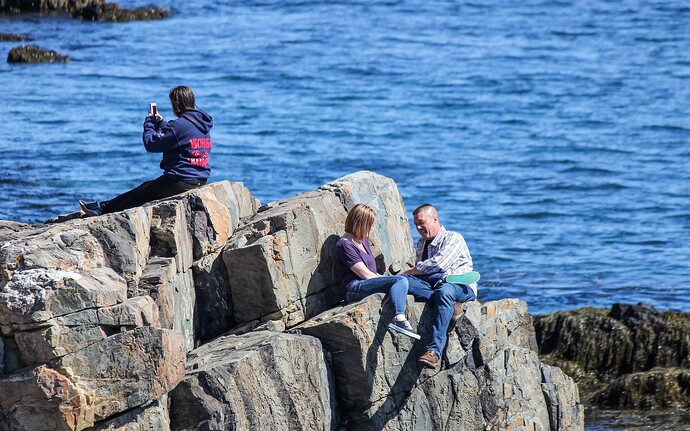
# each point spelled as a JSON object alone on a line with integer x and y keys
{"x": 417, "y": 255}
{"x": 413, "y": 271}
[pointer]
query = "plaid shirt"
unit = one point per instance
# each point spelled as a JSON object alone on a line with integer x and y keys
{"x": 448, "y": 253}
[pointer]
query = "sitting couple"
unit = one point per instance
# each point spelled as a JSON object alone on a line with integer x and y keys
{"x": 439, "y": 253}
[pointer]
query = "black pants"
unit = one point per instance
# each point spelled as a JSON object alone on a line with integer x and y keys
{"x": 161, "y": 187}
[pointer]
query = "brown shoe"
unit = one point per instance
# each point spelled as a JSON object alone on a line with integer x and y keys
{"x": 457, "y": 312}
{"x": 428, "y": 360}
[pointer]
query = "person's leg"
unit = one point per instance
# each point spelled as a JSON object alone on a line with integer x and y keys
{"x": 181, "y": 186}
{"x": 144, "y": 192}
{"x": 420, "y": 289}
{"x": 118, "y": 200}
{"x": 432, "y": 279}
{"x": 444, "y": 299}
{"x": 394, "y": 286}
{"x": 160, "y": 188}
{"x": 463, "y": 293}
{"x": 398, "y": 295}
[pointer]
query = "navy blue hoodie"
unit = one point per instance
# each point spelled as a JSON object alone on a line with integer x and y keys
{"x": 185, "y": 143}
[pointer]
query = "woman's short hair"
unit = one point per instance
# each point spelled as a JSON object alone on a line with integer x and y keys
{"x": 181, "y": 99}
{"x": 359, "y": 221}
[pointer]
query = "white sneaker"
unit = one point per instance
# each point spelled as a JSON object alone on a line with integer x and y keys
{"x": 404, "y": 327}
{"x": 91, "y": 208}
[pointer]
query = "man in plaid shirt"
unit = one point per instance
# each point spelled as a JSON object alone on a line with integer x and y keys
{"x": 439, "y": 252}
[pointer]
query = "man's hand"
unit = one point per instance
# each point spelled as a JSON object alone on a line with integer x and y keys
{"x": 413, "y": 271}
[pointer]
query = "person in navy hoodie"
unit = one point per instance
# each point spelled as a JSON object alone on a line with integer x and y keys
{"x": 186, "y": 146}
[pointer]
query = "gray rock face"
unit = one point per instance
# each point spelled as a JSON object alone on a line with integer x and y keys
{"x": 97, "y": 314}
{"x": 490, "y": 377}
{"x": 11, "y": 229}
{"x": 258, "y": 381}
{"x": 150, "y": 417}
{"x": 560, "y": 392}
{"x": 172, "y": 316}
{"x": 42, "y": 399}
{"x": 280, "y": 264}
{"x": 213, "y": 300}
{"x": 391, "y": 235}
{"x": 108, "y": 377}
{"x": 127, "y": 370}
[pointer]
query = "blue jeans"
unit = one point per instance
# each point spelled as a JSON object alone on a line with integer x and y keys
{"x": 422, "y": 286}
{"x": 395, "y": 286}
{"x": 443, "y": 298}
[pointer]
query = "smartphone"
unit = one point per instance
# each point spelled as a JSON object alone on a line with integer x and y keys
{"x": 153, "y": 109}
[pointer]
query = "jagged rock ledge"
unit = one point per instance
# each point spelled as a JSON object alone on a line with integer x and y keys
{"x": 628, "y": 357}
{"x": 87, "y": 10}
{"x": 34, "y": 54}
{"x": 9, "y": 37}
{"x": 207, "y": 311}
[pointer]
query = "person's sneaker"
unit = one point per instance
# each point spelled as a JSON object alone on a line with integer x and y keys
{"x": 457, "y": 312}
{"x": 404, "y": 327}
{"x": 91, "y": 208}
{"x": 428, "y": 360}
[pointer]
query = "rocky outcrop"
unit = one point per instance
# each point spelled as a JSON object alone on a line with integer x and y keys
{"x": 9, "y": 37}
{"x": 87, "y": 10}
{"x": 280, "y": 263}
{"x": 97, "y": 314}
{"x": 490, "y": 377}
{"x": 260, "y": 380}
{"x": 151, "y": 416}
{"x": 34, "y": 54}
{"x": 17, "y": 6}
{"x": 173, "y": 316}
{"x": 111, "y": 12}
{"x": 93, "y": 383}
{"x": 625, "y": 357}
{"x": 10, "y": 230}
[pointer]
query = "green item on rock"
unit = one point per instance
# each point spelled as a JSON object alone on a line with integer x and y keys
{"x": 466, "y": 278}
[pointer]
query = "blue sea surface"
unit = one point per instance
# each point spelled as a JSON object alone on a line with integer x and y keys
{"x": 552, "y": 134}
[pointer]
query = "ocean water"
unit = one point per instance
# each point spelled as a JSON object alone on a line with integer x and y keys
{"x": 553, "y": 134}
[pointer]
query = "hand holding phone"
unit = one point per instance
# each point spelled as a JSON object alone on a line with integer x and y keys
{"x": 153, "y": 110}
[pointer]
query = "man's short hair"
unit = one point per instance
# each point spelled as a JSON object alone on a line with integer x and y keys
{"x": 422, "y": 207}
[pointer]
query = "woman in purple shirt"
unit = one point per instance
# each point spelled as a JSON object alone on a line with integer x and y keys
{"x": 355, "y": 267}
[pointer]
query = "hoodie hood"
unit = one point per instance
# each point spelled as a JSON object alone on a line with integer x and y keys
{"x": 200, "y": 119}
